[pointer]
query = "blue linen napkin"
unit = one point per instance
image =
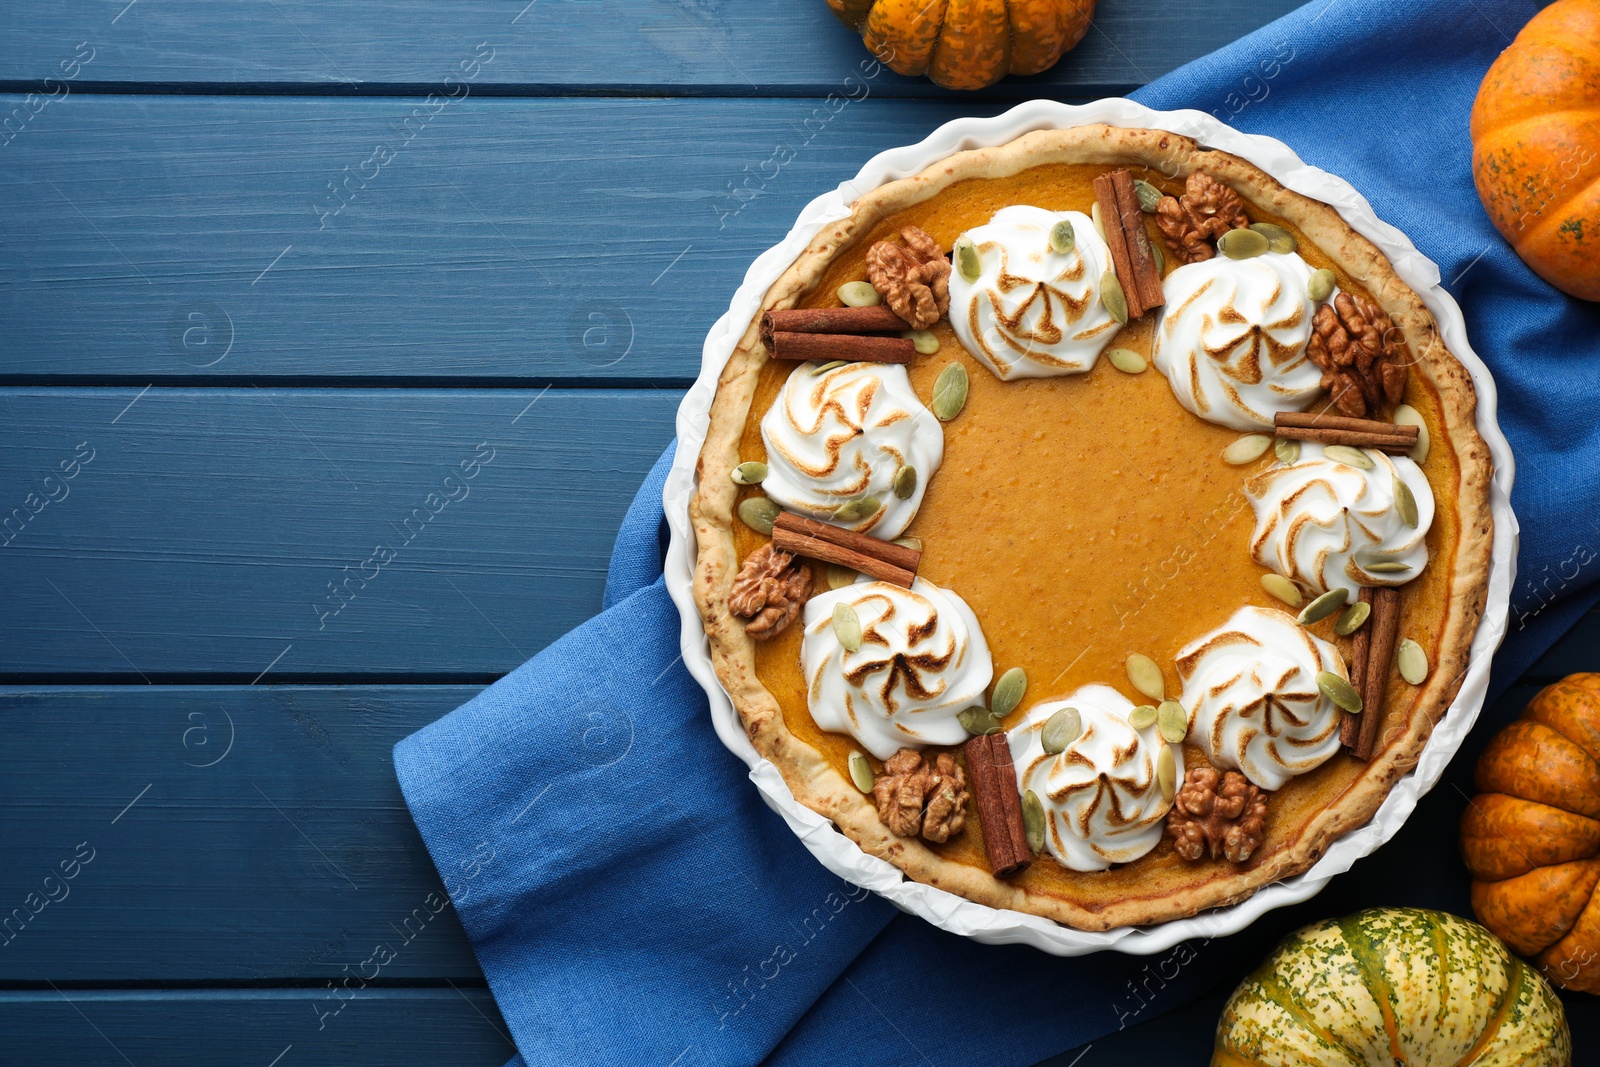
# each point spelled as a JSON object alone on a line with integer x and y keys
{"x": 630, "y": 898}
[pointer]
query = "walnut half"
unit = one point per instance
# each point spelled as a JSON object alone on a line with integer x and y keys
{"x": 770, "y": 590}
{"x": 1207, "y": 210}
{"x": 1217, "y": 814}
{"x": 1361, "y": 353}
{"x": 913, "y": 797}
{"x": 913, "y": 279}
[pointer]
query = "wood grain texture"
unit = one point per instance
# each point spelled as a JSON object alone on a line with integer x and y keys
{"x": 448, "y": 1027}
{"x": 210, "y": 240}
{"x": 686, "y": 46}
{"x": 431, "y": 534}
{"x": 231, "y": 833}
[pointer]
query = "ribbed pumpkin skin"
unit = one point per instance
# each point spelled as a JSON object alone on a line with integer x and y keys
{"x": 1536, "y": 145}
{"x": 1532, "y": 838}
{"x": 1393, "y": 985}
{"x": 967, "y": 44}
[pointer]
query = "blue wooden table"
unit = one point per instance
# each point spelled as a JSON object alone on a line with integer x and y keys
{"x": 335, "y": 339}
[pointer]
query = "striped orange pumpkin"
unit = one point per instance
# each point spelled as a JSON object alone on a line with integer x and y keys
{"x": 1390, "y": 986}
{"x": 967, "y": 44}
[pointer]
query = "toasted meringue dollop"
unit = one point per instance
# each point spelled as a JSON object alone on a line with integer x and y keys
{"x": 1232, "y": 339}
{"x": 1102, "y": 801}
{"x": 841, "y": 435}
{"x": 1324, "y": 524}
{"x": 922, "y": 661}
{"x": 1033, "y": 312}
{"x": 1250, "y": 688}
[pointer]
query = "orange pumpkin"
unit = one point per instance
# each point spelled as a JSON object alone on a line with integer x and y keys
{"x": 1532, "y": 837}
{"x": 1536, "y": 145}
{"x": 967, "y": 44}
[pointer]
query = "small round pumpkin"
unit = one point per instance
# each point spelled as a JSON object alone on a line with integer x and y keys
{"x": 1532, "y": 838}
{"x": 1388, "y": 986}
{"x": 1536, "y": 145}
{"x": 967, "y": 44}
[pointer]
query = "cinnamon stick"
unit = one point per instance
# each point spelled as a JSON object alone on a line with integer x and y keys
{"x": 1350, "y": 727}
{"x": 1105, "y": 193}
{"x": 870, "y": 555}
{"x": 1388, "y": 443}
{"x": 1323, "y": 420}
{"x": 856, "y": 348}
{"x": 878, "y": 319}
{"x": 994, "y": 792}
{"x": 1385, "y": 627}
{"x": 1146, "y": 277}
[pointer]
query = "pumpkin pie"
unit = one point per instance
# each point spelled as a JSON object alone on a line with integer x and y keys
{"x": 1092, "y": 527}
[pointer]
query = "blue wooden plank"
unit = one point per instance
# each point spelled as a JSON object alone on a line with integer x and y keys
{"x": 218, "y": 833}
{"x": 691, "y": 46}
{"x": 318, "y": 533}
{"x": 225, "y": 239}
{"x": 450, "y": 1027}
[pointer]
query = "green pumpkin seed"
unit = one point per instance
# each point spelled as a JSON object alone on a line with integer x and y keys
{"x": 1287, "y": 449}
{"x": 926, "y": 342}
{"x": 949, "y": 392}
{"x": 1352, "y": 618}
{"x": 1094, "y": 217}
{"x": 1033, "y": 819}
{"x": 1243, "y": 244}
{"x": 909, "y": 542}
{"x": 759, "y": 513}
{"x": 978, "y": 721}
{"x": 861, "y": 772}
{"x": 839, "y": 577}
{"x": 847, "y": 627}
{"x": 1063, "y": 238}
{"x": 1112, "y": 296}
{"x": 1386, "y": 566}
{"x": 1279, "y": 240}
{"x": 1413, "y": 662}
{"x": 1145, "y": 675}
{"x": 1149, "y": 196}
{"x": 856, "y": 510}
{"x": 751, "y": 472}
{"x": 1172, "y": 721}
{"x": 1060, "y": 730}
{"x": 1167, "y": 773}
{"x": 1143, "y": 716}
{"x": 1159, "y": 256}
{"x": 1282, "y": 588}
{"x": 1406, "y": 415}
{"x": 1349, "y": 456}
{"x": 1247, "y": 449}
{"x": 1127, "y": 360}
{"x": 1320, "y": 285}
{"x": 968, "y": 263}
{"x": 823, "y": 368}
{"x": 1405, "y": 503}
{"x": 1322, "y": 607}
{"x": 859, "y": 295}
{"x": 905, "y": 482}
{"x": 1340, "y": 691}
{"x": 1009, "y": 691}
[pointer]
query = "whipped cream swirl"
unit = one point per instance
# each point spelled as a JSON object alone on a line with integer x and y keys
{"x": 1102, "y": 802}
{"x": 1233, "y": 336}
{"x": 842, "y": 435}
{"x": 922, "y": 661}
{"x": 1033, "y": 312}
{"x": 1324, "y": 524}
{"x": 1250, "y": 688}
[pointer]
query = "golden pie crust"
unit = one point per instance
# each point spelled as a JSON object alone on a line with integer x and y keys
{"x": 1309, "y": 813}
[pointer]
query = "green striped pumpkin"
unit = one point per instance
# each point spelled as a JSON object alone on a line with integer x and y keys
{"x": 1393, "y": 986}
